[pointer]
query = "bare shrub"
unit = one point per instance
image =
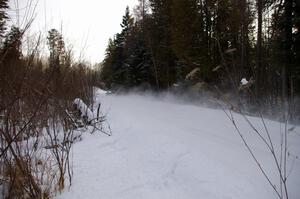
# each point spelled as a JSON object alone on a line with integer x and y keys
{"x": 35, "y": 135}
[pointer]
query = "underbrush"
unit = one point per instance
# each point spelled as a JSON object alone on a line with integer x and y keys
{"x": 36, "y": 135}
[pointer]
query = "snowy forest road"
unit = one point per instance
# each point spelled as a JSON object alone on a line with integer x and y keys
{"x": 172, "y": 150}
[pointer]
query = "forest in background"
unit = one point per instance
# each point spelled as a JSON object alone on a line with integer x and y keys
{"x": 166, "y": 43}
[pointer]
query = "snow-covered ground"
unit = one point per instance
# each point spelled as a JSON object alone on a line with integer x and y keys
{"x": 170, "y": 150}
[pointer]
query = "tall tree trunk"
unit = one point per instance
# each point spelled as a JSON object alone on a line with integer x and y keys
{"x": 259, "y": 68}
{"x": 288, "y": 29}
{"x": 243, "y": 36}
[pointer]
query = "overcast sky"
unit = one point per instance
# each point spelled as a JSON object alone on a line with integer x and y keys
{"x": 85, "y": 23}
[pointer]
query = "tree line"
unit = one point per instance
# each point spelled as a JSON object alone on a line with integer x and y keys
{"x": 227, "y": 40}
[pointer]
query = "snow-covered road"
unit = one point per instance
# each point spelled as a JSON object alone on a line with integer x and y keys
{"x": 169, "y": 150}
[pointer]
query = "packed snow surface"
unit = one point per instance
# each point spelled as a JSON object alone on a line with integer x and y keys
{"x": 171, "y": 150}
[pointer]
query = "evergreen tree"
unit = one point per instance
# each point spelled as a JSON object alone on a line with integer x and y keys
{"x": 116, "y": 71}
{"x": 160, "y": 44}
{"x": 188, "y": 41}
{"x": 12, "y": 44}
{"x": 127, "y": 23}
{"x": 57, "y": 48}
{"x": 138, "y": 59}
{"x": 57, "y": 59}
{"x": 106, "y": 66}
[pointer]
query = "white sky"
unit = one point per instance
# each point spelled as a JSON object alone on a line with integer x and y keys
{"x": 86, "y": 24}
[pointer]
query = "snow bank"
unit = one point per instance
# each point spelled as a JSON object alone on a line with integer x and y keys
{"x": 99, "y": 91}
{"x": 244, "y": 81}
{"x": 84, "y": 110}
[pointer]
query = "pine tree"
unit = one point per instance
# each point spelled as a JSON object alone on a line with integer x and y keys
{"x": 137, "y": 60}
{"x": 163, "y": 56}
{"x": 12, "y": 44}
{"x": 115, "y": 70}
{"x": 106, "y": 66}
{"x": 188, "y": 40}
{"x": 127, "y": 23}
{"x": 57, "y": 59}
{"x": 57, "y": 48}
